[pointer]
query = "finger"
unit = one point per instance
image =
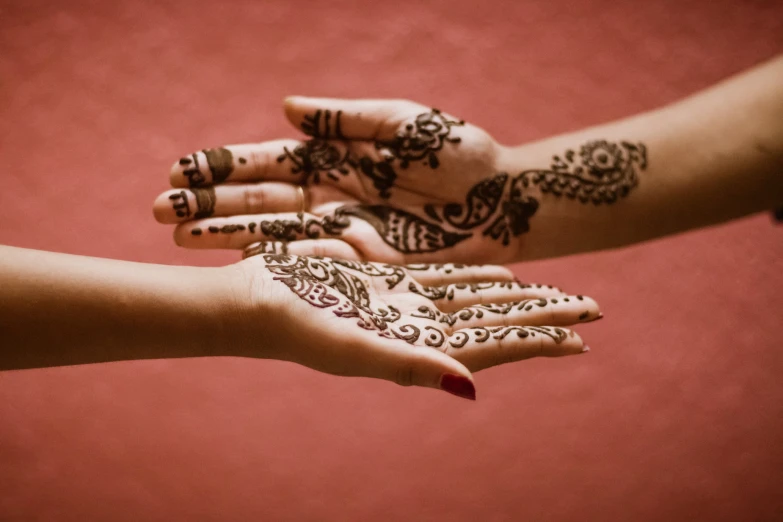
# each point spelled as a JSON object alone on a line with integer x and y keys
{"x": 480, "y": 348}
{"x": 232, "y": 163}
{"x": 349, "y": 119}
{"x": 409, "y": 365}
{"x": 239, "y": 231}
{"x": 176, "y": 206}
{"x": 332, "y": 248}
{"x": 555, "y": 311}
{"x": 451, "y": 273}
{"x": 453, "y": 297}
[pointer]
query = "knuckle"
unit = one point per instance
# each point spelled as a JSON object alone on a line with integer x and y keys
{"x": 254, "y": 199}
{"x": 317, "y": 249}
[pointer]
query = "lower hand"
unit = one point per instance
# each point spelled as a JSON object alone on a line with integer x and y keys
{"x": 424, "y": 325}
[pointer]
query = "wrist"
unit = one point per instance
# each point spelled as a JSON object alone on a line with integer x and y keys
{"x": 251, "y": 316}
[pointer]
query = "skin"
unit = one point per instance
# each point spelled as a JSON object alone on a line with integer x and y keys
{"x": 58, "y": 309}
{"x": 712, "y": 157}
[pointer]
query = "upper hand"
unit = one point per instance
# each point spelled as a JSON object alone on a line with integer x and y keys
{"x": 397, "y": 181}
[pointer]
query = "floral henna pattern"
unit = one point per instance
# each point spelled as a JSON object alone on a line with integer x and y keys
{"x": 315, "y": 158}
{"x": 422, "y": 139}
{"x": 514, "y": 217}
{"x": 600, "y": 173}
{"x": 417, "y": 141}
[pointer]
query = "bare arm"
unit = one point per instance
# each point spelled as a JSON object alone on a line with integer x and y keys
{"x": 59, "y": 309}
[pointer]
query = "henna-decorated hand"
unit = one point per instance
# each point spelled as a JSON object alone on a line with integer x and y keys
{"x": 398, "y": 182}
{"x": 427, "y": 325}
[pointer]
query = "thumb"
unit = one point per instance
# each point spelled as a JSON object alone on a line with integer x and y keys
{"x": 335, "y": 118}
{"x": 409, "y": 365}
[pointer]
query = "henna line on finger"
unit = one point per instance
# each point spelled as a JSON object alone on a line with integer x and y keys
{"x": 179, "y": 203}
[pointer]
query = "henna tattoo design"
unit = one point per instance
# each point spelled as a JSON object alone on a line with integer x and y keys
{"x": 381, "y": 173}
{"x": 220, "y": 162}
{"x": 477, "y": 311}
{"x": 205, "y": 202}
{"x": 394, "y": 274}
{"x": 480, "y": 204}
{"x": 314, "y": 158}
{"x": 317, "y": 127}
{"x": 436, "y": 293}
{"x": 323, "y": 284}
{"x": 405, "y": 232}
{"x": 193, "y": 170}
{"x": 421, "y": 139}
{"x": 446, "y": 267}
{"x": 418, "y": 141}
{"x": 483, "y": 334}
{"x": 265, "y": 247}
{"x": 600, "y": 173}
{"x": 287, "y": 229}
{"x": 514, "y": 217}
{"x": 179, "y": 203}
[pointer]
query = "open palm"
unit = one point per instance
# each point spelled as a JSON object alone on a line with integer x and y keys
{"x": 412, "y": 325}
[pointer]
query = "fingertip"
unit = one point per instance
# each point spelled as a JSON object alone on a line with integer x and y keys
{"x": 185, "y": 231}
{"x": 161, "y": 207}
{"x": 458, "y": 385}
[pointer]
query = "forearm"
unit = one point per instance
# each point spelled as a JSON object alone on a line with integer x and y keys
{"x": 715, "y": 156}
{"x": 59, "y": 309}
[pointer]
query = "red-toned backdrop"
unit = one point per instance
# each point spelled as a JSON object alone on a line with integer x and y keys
{"x": 676, "y": 414}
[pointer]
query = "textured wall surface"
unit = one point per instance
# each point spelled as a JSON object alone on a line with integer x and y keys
{"x": 676, "y": 414}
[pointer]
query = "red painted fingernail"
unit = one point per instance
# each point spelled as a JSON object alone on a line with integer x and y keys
{"x": 458, "y": 385}
{"x": 600, "y": 316}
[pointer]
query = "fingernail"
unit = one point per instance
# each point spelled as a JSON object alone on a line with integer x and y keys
{"x": 585, "y": 348}
{"x": 600, "y": 316}
{"x": 458, "y": 385}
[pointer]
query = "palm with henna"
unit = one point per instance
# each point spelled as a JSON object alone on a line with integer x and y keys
{"x": 427, "y": 325}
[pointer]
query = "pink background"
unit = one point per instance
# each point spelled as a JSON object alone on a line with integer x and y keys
{"x": 677, "y": 414}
